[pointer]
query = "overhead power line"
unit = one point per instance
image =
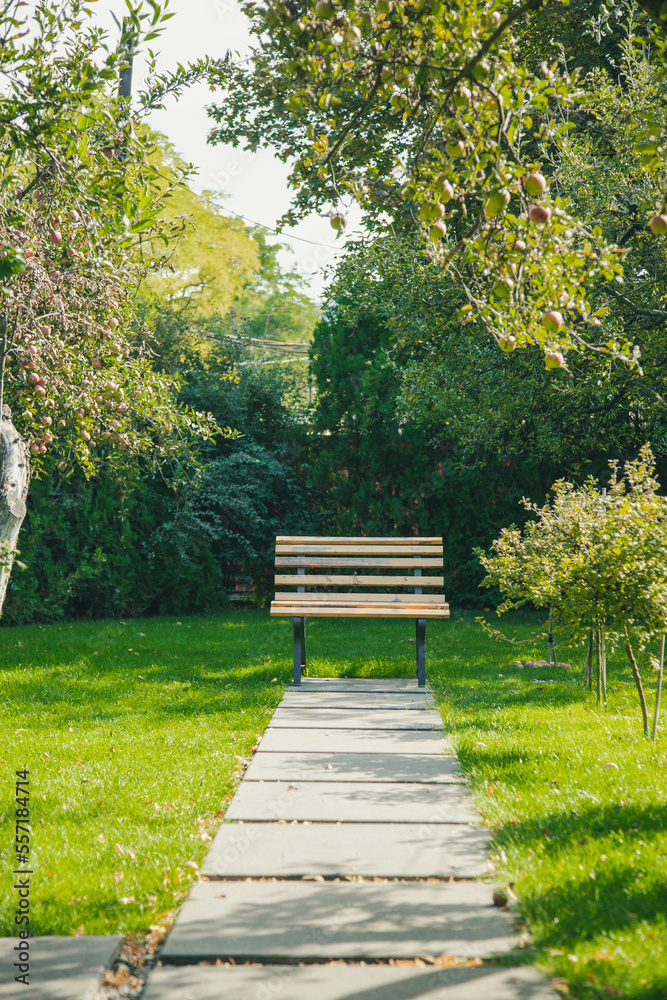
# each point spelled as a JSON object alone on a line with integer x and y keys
{"x": 269, "y": 345}
{"x": 289, "y": 236}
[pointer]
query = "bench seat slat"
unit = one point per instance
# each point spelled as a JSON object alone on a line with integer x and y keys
{"x": 353, "y": 550}
{"x": 358, "y": 542}
{"x": 333, "y": 580}
{"x": 367, "y": 611}
{"x": 356, "y": 600}
{"x": 376, "y": 562}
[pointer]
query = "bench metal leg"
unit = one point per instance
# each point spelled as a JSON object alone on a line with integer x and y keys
{"x": 304, "y": 669}
{"x": 421, "y": 651}
{"x": 299, "y": 648}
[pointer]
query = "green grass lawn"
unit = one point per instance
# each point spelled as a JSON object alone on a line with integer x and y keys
{"x": 135, "y": 733}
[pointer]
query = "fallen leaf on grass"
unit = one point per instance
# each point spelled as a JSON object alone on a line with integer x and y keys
{"x": 572, "y": 958}
{"x": 80, "y": 931}
{"x": 117, "y": 876}
{"x": 560, "y": 986}
{"x": 126, "y": 900}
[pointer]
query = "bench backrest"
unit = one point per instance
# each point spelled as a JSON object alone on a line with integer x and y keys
{"x": 416, "y": 559}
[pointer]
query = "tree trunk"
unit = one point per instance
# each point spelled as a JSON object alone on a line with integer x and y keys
{"x": 598, "y": 663}
{"x": 588, "y": 671}
{"x": 658, "y": 689}
{"x": 638, "y": 682}
{"x": 14, "y": 482}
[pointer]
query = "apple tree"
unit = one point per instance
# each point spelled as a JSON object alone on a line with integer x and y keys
{"x": 445, "y": 116}
{"x": 79, "y": 205}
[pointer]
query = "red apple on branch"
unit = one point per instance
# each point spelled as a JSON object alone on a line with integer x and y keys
{"x": 539, "y": 214}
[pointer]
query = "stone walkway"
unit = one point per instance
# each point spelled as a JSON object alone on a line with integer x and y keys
{"x": 354, "y": 842}
{"x": 60, "y": 968}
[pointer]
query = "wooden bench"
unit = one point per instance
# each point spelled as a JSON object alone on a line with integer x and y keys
{"x": 348, "y": 556}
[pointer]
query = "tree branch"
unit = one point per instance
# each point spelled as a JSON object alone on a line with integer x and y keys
{"x": 355, "y": 118}
{"x": 652, "y": 313}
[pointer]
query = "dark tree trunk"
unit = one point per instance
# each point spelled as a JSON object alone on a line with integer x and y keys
{"x": 14, "y": 482}
{"x": 656, "y": 10}
{"x": 638, "y": 682}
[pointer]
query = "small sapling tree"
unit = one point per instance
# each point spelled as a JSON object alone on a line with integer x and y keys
{"x": 598, "y": 558}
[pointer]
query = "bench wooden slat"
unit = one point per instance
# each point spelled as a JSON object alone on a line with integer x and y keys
{"x": 357, "y": 600}
{"x": 359, "y": 542}
{"x": 351, "y": 550}
{"x": 368, "y": 611}
{"x": 333, "y": 580}
{"x": 375, "y": 562}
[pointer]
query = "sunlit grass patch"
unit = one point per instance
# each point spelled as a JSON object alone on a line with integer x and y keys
{"x": 575, "y": 798}
{"x": 136, "y": 733}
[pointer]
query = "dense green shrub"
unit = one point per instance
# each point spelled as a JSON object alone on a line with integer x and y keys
{"x": 383, "y": 475}
{"x": 92, "y": 549}
{"x": 96, "y": 549}
{"x": 149, "y": 545}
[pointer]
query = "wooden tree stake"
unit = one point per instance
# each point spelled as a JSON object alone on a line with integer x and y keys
{"x": 658, "y": 688}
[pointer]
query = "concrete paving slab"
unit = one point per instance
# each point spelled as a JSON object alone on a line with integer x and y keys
{"x": 269, "y": 920}
{"x": 60, "y": 968}
{"x": 359, "y": 700}
{"x": 355, "y": 718}
{"x": 354, "y": 767}
{"x": 389, "y": 682}
{"x": 398, "y": 741}
{"x": 351, "y": 802}
{"x": 345, "y": 982}
{"x": 389, "y": 850}
{"x": 406, "y": 685}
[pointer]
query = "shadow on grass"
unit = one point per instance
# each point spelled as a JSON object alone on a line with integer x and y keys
{"x": 105, "y": 671}
{"x": 616, "y": 891}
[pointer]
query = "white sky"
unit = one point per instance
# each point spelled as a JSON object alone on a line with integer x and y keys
{"x": 255, "y": 184}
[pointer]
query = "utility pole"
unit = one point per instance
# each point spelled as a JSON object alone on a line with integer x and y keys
{"x": 125, "y": 78}
{"x": 125, "y": 85}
